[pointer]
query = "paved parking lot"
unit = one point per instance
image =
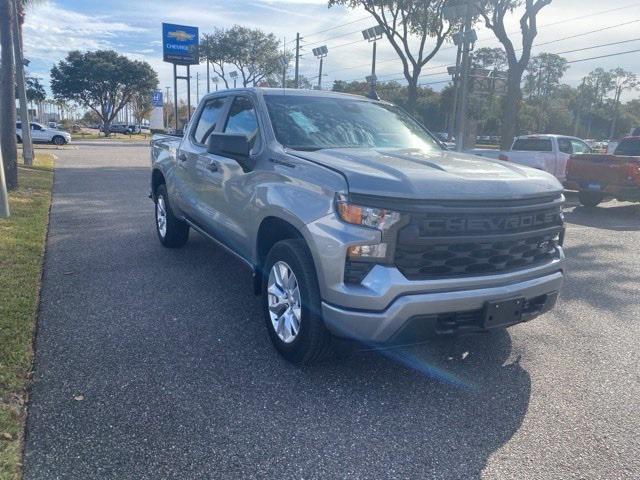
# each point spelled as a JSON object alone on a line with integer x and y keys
{"x": 156, "y": 364}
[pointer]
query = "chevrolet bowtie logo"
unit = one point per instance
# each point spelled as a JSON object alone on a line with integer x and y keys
{"x": 181, "y": 35}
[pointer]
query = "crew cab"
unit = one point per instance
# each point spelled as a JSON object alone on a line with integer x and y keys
{"x": 41, "y": 134}
{"x": 597, "y": 177}
{"x": 355, "y": 221}
{"x": 543, "y": 152}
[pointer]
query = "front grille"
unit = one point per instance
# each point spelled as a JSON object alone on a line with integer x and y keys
{"x": 454, "y": 243}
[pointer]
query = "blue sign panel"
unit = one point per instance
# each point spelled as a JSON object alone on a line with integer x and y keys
{"x": 180, "y": 44}
{"x": 156, "y": 98}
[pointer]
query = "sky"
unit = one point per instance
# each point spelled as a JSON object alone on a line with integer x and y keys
{"x": 133, "y": 28}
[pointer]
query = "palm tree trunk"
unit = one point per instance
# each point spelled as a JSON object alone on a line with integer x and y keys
{"x": 7, "y": 96}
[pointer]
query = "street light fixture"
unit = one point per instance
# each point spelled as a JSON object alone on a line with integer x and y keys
{"x": 372, "y": 35}
{"x": 320, "y": 53}
{"x": 234, "y": 75}
{"x": 215, "y": 80}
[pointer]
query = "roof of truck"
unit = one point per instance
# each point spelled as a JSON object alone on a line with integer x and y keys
{"x": 294, "y": 91}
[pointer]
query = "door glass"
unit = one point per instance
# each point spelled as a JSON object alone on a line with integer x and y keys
{"x": 579, "y": 147}
{"x": 208, "y": 120}
{"x": 35, "y": 127}
{"x": 242, "y": 120}
{"x": 564, "y": 145}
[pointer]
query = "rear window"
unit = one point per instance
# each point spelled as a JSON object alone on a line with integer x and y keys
{"x": 532, "y": 145}
{"x": 628, "y": 148}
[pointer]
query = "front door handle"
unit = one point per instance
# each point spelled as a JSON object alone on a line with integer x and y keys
{"x": 212, "y": 166}
{"x": 182, "y": 157}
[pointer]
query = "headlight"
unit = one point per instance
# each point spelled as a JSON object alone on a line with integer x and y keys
{"x": 379, "y": 218}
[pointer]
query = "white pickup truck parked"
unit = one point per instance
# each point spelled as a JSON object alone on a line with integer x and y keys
{"x": 544, "y": 152}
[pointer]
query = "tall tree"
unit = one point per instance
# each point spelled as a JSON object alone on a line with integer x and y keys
{"x": 408, "y": 24}
{"x": 622, "y": 80}
{"x": 544, "y": 73}
{"x": 254, "y": 54}
{"x": 8, "y": 139}
{"x": 141, "y": 106}
{"x": 35, "y": 90}
{"x": 495, "y": 14}
{"x": 103, "y": 81}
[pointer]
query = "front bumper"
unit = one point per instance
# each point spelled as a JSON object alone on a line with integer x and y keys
{"x": 456, "y": 310}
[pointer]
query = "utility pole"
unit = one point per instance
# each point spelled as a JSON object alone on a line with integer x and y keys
{"x": 469, "y": 38}
{"x": 458, "y": 40}
{"x": 27, "y": 145}
{"x": 297, "y": 78}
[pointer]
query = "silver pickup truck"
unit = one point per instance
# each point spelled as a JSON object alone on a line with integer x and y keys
{"x": 355, "y": 221}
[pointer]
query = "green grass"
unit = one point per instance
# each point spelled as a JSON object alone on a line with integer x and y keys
{"x": 22, "y": 239}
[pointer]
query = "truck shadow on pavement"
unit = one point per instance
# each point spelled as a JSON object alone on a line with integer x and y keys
{"x": 438, "y": 409}
{"x": 608, "y": 216}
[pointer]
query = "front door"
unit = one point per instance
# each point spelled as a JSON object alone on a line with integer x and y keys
{"x": 193, "y": 167}
{"x": 223, "y": 190}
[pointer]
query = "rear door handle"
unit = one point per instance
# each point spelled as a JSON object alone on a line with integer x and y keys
{"x": 212, "y": 166}
{"x": 182, "y": 157}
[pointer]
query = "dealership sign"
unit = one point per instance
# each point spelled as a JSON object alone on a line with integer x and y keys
{"x": 180, "y": 44}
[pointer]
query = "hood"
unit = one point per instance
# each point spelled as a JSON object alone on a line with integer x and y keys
{"x": 433, "y": 175}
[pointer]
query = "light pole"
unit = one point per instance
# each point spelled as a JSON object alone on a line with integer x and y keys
{"x": 321, "y": 53}
{"x": 234, "y": 75}
{"x": 372, "y": 35}
{"x": 455, "y": 74}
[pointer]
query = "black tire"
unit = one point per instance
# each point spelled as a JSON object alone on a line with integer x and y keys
{"x": 58, "y": 140}
{"x": 177, "y": 231}
{"x": 590, "y": 199}
{"x": 18, "y": 139}
{"x": 313, "y": 341}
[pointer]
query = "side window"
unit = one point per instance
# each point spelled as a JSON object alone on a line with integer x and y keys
{"x": 208, "y": 120}
{"x": 242, "y": 119}
{"x": 35, "y": 127}
{"x": 564, "y": 145}
{"x": 580, "y": 147}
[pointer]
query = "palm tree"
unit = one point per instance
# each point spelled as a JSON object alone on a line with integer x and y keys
{"x": 8, "y": 142}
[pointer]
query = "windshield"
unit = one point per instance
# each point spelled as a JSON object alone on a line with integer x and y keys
{"x": 313, "y": 123}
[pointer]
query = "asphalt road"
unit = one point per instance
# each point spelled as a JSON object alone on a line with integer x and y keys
{"x": 154, "y": 364}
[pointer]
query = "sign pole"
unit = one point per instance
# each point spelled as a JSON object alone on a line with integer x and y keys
{"x": 188, "y": 93}
{"x": 175, "y": 95}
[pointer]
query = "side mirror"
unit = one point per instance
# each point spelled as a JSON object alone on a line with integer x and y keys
{"x": 231, "y": 146}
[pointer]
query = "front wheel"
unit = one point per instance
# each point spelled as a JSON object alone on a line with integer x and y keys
{"x": 172, "y": 232}
{"x": 590, "y": 199}
{"x": 58, "y": 140}
{"x": 291, "y": 303}
{"x": 18, "y": 139}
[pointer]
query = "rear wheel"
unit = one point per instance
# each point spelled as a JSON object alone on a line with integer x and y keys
{"x": 58, "y": 140}
{"x": 172, "y": 232}
{"x": 291, "y": 302}
{"x": 590, "y": 199}
{"x": 18, "y": 139}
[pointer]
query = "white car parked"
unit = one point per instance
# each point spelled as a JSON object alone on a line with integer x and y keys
{"x": 543, "y": 152}
{"x": 40, "y": 134}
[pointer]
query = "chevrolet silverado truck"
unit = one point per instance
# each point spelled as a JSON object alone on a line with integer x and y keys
{"x": 597, "y": 177}
{"x": 544, "y": 152}
{"x": 355, "y": 221}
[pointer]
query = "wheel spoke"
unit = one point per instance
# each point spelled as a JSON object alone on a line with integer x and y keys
{"x": 283, "y": 302}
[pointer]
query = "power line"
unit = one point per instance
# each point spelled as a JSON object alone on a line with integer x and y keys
{"x": 604, "y": 56}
